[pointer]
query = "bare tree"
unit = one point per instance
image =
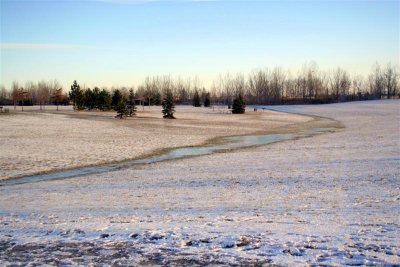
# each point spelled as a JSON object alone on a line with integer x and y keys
{"x": 43, "y": 93}
{"x": 324, "y": 85}
{"x": 228, "y": 89}
{"x": 376, "y": 82}
{"x": 277, "y": 84}
{"x": 390, "y": 77}
{"x": 167, "y": 84}
{"x": 182, "y": 91}
{"x": 345, "y": 84}
{"x": 21, "y": 96}
{"x": 31, "y": 88}
{"x": 238, "y": 84}
{"x": 357, "y": 86}
{"x": 3, "y": 93}
{"x": 58, "y": 97}
{"x": 340, "y": 83}
{"x": 14, "y": 93}
{"x": 258, "y": 85}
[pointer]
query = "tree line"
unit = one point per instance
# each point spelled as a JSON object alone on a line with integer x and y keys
{"x": 309, "y": 86}
{"x": 263, "y": 86}
{"x": 41, "y": 93}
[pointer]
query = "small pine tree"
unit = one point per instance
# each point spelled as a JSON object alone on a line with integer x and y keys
{"x": 196, "y": 99}
{"x": 168, "y": 105}
{"x": 116, "y": 98}
{"x": 131, "y": 109}
{"x": 76, "y": 95}
{"x": 121, "y": 109}
{"x": 104, "y": 100}
{"x": 96, "y": 97}
{"x": 131, "y": 96}
{"x": 238, "y": 106}
{"x": 89, "y": 99}
{"x": 207, "y": 101}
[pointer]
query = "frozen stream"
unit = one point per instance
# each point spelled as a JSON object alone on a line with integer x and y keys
{"x": 228, "y": 143}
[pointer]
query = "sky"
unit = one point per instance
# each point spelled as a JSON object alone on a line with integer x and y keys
{"x": 120, "y": 42}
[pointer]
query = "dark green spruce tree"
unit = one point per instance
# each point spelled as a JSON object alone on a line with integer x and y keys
{"x": 131, "y": 109}
{"x": 96, "y": 96}
{"x": 196, "y": 99}
{"x": 104, "y": 100}
{"x": 168, "y": 106}
{"x": 238, "y": 106}
{"x": 76, "y": 95}
{"x": 116, "y": 98}
{"x": 118, "y": 103}
{"x": 89, "y": 99}
{"x": 121, "y": 109}
{"x": 207, "y": 101}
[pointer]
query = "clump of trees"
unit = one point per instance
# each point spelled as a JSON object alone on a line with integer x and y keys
{"x": 90, "y": 99}
{"x": 102, "y": 100}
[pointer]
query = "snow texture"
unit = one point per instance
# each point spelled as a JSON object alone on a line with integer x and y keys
{"x": 331, "y": 199}
{"x": 33, "y": 142}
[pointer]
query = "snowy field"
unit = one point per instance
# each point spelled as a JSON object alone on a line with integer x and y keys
{"x": 32, "y": 142}
{"x": 331, "y": 199}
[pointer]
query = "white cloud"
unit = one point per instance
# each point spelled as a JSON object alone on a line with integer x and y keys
{"x": 39, "y": 46}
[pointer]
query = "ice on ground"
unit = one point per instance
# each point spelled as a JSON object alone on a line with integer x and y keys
{"x": 332, "y": 199}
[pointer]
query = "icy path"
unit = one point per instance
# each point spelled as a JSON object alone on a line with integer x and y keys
{"x": 330, "y": 199}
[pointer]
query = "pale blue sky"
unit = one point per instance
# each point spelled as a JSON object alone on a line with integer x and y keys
{"x": 118, "y": 43}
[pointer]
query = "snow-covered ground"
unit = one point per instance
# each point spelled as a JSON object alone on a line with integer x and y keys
{"x": 331, "y": 199}
{"x": 33, "y": 142}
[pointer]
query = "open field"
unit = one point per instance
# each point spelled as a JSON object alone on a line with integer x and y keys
{"x": 331, "y": 199}
{"x": 32, "y": 142}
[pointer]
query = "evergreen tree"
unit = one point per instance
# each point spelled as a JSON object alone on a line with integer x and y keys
{"x": 238, "y": 106}
{"x": 118, "y": 103}
{"x": 76, "y": 95}
{"x": 131, "y": 97}
{"x": 131, "y": 109}
{"x": 89, "y": 99}
{"x": 104, "y": 101}
{"x": 120, "y": 108}
{"x": 196, "y": 99}
{"x": 116, "y": 98}
{"x": 207, "y": 101}
{"x": 96, "y": 96}
{"x": 168, "y": 105}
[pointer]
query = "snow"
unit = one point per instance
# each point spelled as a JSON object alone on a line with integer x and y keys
{"x": 33, "y": 142}
{"x": 331, "y": 199}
